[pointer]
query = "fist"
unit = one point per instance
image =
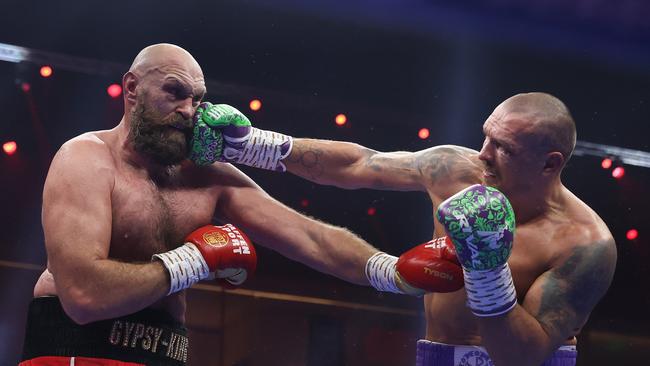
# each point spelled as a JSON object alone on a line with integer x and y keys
{"x": 430, "y": 267}
{"x": 480, "y": 222}
{"x": 218, "y": 128}
{"x": 227, "y": 251}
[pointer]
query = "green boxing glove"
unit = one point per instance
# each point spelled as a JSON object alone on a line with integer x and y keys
{"x": 222, "y": 133}
{"x": 480, "y": 222}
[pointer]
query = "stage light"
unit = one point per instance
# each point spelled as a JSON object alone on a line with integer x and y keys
{"x": 10, "y": 147}
{"x": 25, "y": 87}
{"x": 114, "y": 90}
{"x": 423, "y": 133}
{"x": 372, "y": 211}
{"x": 606, "y": 163}
{"x": 255, "y": 105}
{"x": 304, "y": 202}
{"x": 340, "y": 119}
{"x": 618, "y": 172}
{"x": 46, "y": 71}
{"x": 632, "y": 234}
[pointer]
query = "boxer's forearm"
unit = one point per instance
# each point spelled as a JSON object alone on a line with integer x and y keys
{"x": 516, "y": 339}
{"x": 342, "y": 254}
{"x": 352, "y": 166}
{"x": 327, "y": 162}
{"x": 104, "y": 288}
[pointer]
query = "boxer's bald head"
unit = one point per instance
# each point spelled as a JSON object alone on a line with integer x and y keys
{"x": 549, "y": 122}
{"x": 161, "y": 55}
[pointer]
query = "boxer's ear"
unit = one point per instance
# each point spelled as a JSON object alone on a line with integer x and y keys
{"x": 129, "y": 85}
{"x": 554, "y": 163}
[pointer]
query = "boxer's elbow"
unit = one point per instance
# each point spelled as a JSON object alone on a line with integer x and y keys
{"x": 81, "y": 306}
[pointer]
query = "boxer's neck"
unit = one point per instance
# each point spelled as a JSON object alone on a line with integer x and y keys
{"x": 538, "y": 202}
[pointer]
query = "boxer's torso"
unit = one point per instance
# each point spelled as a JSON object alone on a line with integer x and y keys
{"x": 539, "y": 245}
{"x": 152, "y": 214}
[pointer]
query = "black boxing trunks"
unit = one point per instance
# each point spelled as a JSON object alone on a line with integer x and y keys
{"x": 440, "y": 354}
{"x": 148, "y": 337}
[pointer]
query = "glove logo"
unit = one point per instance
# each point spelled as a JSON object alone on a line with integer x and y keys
{"x": 434, "y": 273}
{"x": 475, "y": 358}
{"x": 215, "y": 239}
{"x": 437, "y": 243}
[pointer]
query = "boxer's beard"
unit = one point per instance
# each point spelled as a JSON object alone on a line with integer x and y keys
{"x": 153, "y": 135}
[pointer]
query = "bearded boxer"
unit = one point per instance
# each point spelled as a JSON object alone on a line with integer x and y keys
{"x": 563, "y": 257}
{"x": 126, "y": 217}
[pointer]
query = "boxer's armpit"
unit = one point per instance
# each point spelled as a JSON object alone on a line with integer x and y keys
{"x": 570, "y": 291}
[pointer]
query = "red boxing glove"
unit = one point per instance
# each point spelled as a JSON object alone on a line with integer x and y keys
{"x": 227, "y": 251}
{"x": 430, "y": 267}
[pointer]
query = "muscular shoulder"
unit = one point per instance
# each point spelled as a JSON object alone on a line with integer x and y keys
{"x": 90, "y": 146}
{"x": 86, "y": 156}
{"x": 581, "y": 229}
{"x": 447, "y": 169}
{"x": 580, "y": 274}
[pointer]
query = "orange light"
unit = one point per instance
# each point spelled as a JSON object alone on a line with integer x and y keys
{"x": 423, "y": 133}
{"x": 632, "y": 234}
{"x": 618, "y": 172}
{"x": 372, "y": 211}
{"x": 10, "y": 147}
{"x": 255, "y": 105}
{"x": 114, "y": 90}
{"x": 46, "y": 71}
{"x": 606, "y": 163}
{"x": 340, "y": 119}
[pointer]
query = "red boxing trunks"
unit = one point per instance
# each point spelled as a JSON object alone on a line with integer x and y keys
{"x": 74, "y": 361}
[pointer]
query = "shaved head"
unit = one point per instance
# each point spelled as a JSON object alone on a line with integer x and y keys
{"x": 551, "y": 124}
{"x": 151, "y": 58}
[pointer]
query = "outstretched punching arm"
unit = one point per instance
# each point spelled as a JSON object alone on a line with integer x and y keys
{"x": 330, "y": 249}
{"x": 222, "y": 133}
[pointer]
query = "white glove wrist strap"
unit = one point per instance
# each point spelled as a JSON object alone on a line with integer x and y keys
{"x": 185, "y": 265}
{"x": 491, "y": 292}
{"x": 380, "y": 270}
{"x": 263, "y": 149}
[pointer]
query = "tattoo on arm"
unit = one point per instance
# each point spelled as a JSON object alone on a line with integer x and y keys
{"x": 573, "y": 289}
{"x": 448, "y": 163}
{"x": 309, "y": 159}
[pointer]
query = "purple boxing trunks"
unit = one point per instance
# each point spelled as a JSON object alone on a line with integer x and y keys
{"x": 440, "y": 354}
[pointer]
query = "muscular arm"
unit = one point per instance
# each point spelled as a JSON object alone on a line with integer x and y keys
{"x": 352, "y": 166}
{"x": 267, "y": 222}
{"x": 556, "y": 306}
{"x": 77, "y": 225}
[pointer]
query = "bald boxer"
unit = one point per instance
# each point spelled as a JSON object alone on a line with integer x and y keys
{"x": 127, "y": 224}
{"x": 563, "y": 256}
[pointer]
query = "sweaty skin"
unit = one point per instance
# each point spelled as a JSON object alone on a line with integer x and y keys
{"x": 113, "y": 198}
{"x": 563, "y": 257}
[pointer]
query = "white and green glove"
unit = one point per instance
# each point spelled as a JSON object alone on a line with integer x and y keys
{"x": 222, "y": 133}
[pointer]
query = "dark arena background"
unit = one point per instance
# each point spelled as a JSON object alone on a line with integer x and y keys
{"x": 406, "y": 75}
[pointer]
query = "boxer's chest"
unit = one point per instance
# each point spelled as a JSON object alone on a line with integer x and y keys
{"x": 531, "y": 254}
{"x": 151, "y": 217}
